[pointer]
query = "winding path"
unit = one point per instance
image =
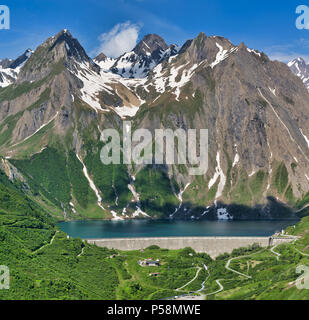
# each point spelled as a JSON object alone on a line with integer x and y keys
{"x": 274, "y": 252}
{"x": 197, "y": 273}
{"x": 82, "y": 252}
{"x": 227, "y": 266}
{"x": 220, "y": 286}
{"x": 47, "y": 244}
{"x": 304, "y": 254}
{"x": 203, "y": 284}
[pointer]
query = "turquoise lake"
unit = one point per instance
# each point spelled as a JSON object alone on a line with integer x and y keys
{"x": 96, "y": 229}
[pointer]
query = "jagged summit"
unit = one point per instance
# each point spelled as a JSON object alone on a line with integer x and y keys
{"x": 5, "y": 63}
{"x": 60, "y": 50}
{"x": 147, "y": 54}
{"x": 104, "y": 62}
{"x": 21, "y": 59}
{"x": 301, "y": 69}
{"x": 100, "y": 57}
{"x": 151, "y": 45}
{"x": 296, "y": 61}
{"x": 72, "y": 45}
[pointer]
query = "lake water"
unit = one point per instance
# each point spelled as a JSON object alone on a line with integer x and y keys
{"x": 97, "y": 229}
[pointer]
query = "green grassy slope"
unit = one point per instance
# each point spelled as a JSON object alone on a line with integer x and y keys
{"x": 58, "y": 176}
{"x": 45, "y": 264}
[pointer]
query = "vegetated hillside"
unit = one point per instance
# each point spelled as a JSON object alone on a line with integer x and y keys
{"x": 46, "y": 264}
{"x": 256, "y": 110}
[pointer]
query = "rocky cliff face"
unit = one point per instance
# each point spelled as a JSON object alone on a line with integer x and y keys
{"x": 256, "y": 111}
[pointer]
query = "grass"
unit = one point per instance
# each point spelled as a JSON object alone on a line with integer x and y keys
{"x": 112, "y": 180}
{"x": 281, "y": 178}
{"x": 239, "y": 193}
{"x": 258, "y": 184}
{"x": 156, "y": 194}
{"x": 45, "y": 264}
{"x": 166, "y": 105}
{"x": 80, "y": 187}
{"x": 14, "y": 91}
{"x": 7, "y": 127}
{"x": 49, "y": 171}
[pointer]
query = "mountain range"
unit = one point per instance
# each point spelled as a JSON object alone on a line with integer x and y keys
{"x": 56, "y": 101}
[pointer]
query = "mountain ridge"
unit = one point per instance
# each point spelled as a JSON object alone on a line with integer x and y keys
{"x": 54, "y": 113}
{"x": 301, "y": 69}
{"x": 10, "y": 68}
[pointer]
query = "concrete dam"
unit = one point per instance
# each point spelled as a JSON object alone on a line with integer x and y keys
{"x": 214, "y": 246}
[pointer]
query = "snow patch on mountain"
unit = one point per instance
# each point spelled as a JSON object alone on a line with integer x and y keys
{"x": 305, "y": 137}
{"x": 273, "y": 91}
{"x": 218, "y": 173}
{"x": 106, "y": 64}
{"x": 301, "y": 69}
{"x": 179, "y": 196}
{"x": 254, "y": 51}
{"x": 222, "y": 55}
{"x": 72, "y": 207}
{"x": 93, "y": 84}
{"x": 91, "y": 183}
{"x": 124, "y": 112}
{"x": 151, "y": 51}
{"x": 130, "y": 66}
{"x": 9, "y": 69}
{"x": 138, "y": 211}
{"x": 236, "y": 160}
{"x": 115, "y": 216}
{"x": 223, "y": 214}
{"x": 94, "y": 188}
{"x": 162, "y": 82}
{"x": 252, "y": 173}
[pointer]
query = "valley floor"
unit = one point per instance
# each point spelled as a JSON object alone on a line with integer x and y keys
{"x": 46, "y": 264}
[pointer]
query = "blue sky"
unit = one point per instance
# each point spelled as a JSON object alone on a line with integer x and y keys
{"x": 268, "y": 26}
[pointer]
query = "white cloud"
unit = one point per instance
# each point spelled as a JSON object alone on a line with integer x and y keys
{"x": 288, "y": 52}
{"x": 287, "y": 57}
{"x": 120, "y": 39}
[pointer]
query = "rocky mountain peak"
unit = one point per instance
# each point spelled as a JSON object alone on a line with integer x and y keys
{"x": 301, "y": 69}
{"x": 148, "y": 53}
{"x": 204, "y": 48}
{"x": 9, "y": 68}
{"x": 61, "y": 49}
{"x": 150, "y": 44}
{"x": 242, "y": 46}
{"x": 72, "y": 47}
{"x": 21, "y": 59}
{"x": 298, "y": 61}
{"x": 100, "y": 58}
{"x": 5, "y": 63}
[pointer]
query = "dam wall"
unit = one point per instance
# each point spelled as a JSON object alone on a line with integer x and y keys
{"x": 214, "y": 246}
